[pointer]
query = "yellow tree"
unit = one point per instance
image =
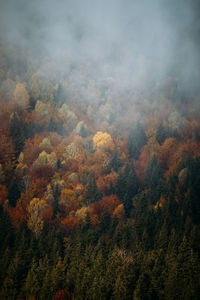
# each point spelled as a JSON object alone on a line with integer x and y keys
{"x": 81, "y": 213}
{"x": 119, "y": 211}
{"x": 103, "y": 141}
{"x": 45, "y": 145}
{"x": 35, "y": 210}
{"x": 42, "y": 159}
{"x": 21, "y": 96}
{"x": 67, "y": 196}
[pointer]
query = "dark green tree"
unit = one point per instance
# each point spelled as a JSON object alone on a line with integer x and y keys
{"x": 11, "y": 287}
{"x": 105, "y": 220}
{"x": 131, "y": 181}
{"x": 91, "y": 194}
{"x": 153, "y": 174}
{"x": 56, "y": 195}
{"x": 115, "y": 162}
{"x": 59, "y": 95}
{"x": 128, "y": 204}
{"x": 17, "y": 131}
{"x": 14, "y": 191}
{"x": 32, "y": 283}
{"x": 136, "y": 140}
{"x": 58, "y": 277}
{"x": 120, "y": 186}
{"x": 143, "y": 288}
{"x": 161, "y": 134}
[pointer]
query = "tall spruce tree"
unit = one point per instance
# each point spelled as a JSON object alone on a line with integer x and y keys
{"x": 153, "y": 174}
{"x": 136, "y": 140}
{"x": 14, "y": 191}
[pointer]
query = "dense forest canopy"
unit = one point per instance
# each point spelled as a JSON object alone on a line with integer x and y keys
{"x": 99, "y": 149}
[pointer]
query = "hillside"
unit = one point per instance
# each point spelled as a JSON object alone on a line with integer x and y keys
{"x": 99, "y": 167}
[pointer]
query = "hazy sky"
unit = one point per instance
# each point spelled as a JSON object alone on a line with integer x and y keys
{"x": 137, "y": 39}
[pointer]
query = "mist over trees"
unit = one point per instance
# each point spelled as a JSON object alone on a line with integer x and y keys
{"x": 99, "y": 150}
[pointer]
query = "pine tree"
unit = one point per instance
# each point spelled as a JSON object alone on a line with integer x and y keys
{"x": 14, "y": 191}
{"x": 105, "y": 220}
{"x": 46, "y": 289}
{"x": 115, "y": 162}
{"x": 17, "y": 131}
{"x": 56, "y": 195}
{"x": 136, "y": 140}
{"x": 59, "y": 95}
{"x": 131, "y": 181}
{"x": 128, "y": 204}
{"x": 121, "y": 185}
{"x": 91, "y": 194}
{"x": 143, "y": 288}
{"x": 161, "y": 134}
{"x": 12, "y": 283}
{"x": 153, "y": 173}
{"x": 32, "y": 284}
{"x": 58, "y": 277}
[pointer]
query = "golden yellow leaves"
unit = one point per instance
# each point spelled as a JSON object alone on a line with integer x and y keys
{"x": 67, "y": 196}
{"x": 103, "y": 141}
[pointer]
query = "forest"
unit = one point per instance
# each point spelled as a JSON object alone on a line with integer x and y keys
{"x": 99, "y": 181}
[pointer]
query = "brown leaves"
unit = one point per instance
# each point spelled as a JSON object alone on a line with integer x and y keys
{"x": 18, "y": 214}
{"x": 105, "y": 181}
{"x": 166, "y": 152}
{"x": 108, "y": 202}
{"x": 31, "y": 149}
{"x": 142, "y": 162}
{"x": 42, "y": 171}
{"x": 69, "y": 224}
{"x": 3, "y": 193}
{"x": 119, "y": 211}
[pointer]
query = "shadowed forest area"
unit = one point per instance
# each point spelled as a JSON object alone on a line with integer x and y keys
{"x": 100, "y": 151}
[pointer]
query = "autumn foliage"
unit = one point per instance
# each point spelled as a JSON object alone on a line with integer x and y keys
{"x": 99, "y": 185}
{"x": 69, "y": 224}
{"x": 103, "y": 141}
{"x": 65, "y": 160}
{"x": 63, "y": 295}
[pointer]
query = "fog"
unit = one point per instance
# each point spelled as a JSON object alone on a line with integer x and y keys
{"x": 135, "y": 42}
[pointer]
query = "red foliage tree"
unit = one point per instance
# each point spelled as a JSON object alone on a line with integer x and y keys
{"x": 48, "y": 214}
{"x": 72, "y": 165}
{"x": 96, "y": 209}
{"x": 104, "y": 182}
{"x": 72, "y": 206}
{"x": 110, "y": 203}
{"x": 42, "y": 171}
{"x": 142, "y": 162}
{"x": 3, "y": 193}
{"x": 18, "y": 214}
{"x": 63, "y": 295}
{"x": 166, "y": 152}
{"x": 69, "y": 224}
{"x": 38, "y": 187}
{"x": 31, "y": 149}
